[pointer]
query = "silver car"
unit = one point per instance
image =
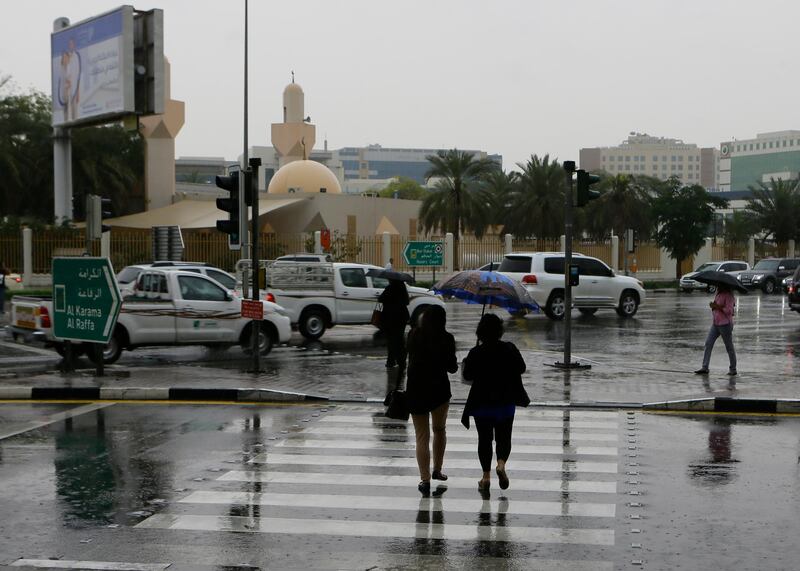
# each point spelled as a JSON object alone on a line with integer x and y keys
{"x": 733, "y": 267}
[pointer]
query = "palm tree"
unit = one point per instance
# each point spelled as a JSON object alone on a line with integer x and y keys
{"x": 535, "y": 205}
{"x": 624, "y": 203}
{"x": 458, "y": 202}
{"x": 775, "y": 208}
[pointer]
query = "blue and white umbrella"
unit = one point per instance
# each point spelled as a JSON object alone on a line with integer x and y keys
{"x": 481, "y": 287}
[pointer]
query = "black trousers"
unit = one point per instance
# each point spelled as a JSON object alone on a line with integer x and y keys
{"x": 395, "y": 340}
{"x": 498, "y": 430}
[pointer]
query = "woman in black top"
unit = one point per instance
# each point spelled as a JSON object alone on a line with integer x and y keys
{"x": 432, "y": 354}
{"x": 495, "y": 368}
{"x": 394, "y": 317}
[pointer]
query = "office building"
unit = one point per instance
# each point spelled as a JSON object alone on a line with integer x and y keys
{"x": 659, "y": 157}
{"x": 745, "y": 163}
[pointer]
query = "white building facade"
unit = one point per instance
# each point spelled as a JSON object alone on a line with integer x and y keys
{"x": 659, "y": 157}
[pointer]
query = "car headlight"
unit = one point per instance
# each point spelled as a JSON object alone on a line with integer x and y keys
{"x": 641, "y": 285}
{"x": 757, "y": 277}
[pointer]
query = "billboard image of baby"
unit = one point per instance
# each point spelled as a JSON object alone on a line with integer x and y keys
{"x": 88, "y": 71}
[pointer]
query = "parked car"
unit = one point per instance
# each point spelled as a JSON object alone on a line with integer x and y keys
{"x": 793, "y": 290}
{"x": 127, "y": 277}
{"x": 13, "y": 281}
{"x": 542, "y": 274}
{"x": 733, "y": 267}
{"x": 769, "y": 273}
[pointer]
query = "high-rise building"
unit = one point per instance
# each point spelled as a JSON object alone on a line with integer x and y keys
{"x": 659, "y": 157}
{"x": 744, "y": 163}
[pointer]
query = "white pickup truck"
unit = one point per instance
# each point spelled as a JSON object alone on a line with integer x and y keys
{"x": 319, "y": 295}
{"x": 171, "y": 308}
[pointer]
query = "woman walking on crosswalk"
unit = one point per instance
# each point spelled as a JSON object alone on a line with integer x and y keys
{"x": 431, "y": 356}
{"x": 495, "y": 368}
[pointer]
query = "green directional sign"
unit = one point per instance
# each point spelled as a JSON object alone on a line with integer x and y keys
{"x": 424, "y": 253}
{"x": 86, "y": 299}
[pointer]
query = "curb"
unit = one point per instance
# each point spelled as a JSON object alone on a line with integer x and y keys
{"x": 154, "y": 394}
{"x": 727, "y": 404}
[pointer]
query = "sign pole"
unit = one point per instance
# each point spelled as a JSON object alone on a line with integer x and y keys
{"x": 252, "y": 181}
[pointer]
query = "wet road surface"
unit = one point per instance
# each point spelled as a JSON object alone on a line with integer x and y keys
{"x": 311, "y": 487}
{"x": 645, "y": 359}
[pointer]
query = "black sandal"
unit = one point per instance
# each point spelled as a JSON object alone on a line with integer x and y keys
{"x": 437, "y": 475}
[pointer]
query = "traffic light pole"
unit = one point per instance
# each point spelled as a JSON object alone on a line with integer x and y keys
{"x": 569, "y": 169}
{"x": 252, "y": 181}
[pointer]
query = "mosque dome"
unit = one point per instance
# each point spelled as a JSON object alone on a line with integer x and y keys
{"x": 304, "y": 176}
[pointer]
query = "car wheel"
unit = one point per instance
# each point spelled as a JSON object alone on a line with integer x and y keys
{"x": 555, "y": 308}
{"x": 312, "y": 324}
{"x": 711, "y": 289}
{"x": 769, "y": 286}
{"x": 588, "y": 310}
{"x": 628, "y": 304}
{"x": 113, "y": 349}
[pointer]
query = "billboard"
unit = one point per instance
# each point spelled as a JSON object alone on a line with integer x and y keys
{"x": 92, "y": 69}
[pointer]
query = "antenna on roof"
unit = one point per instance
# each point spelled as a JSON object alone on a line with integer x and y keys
{"x": 292, "y": 76}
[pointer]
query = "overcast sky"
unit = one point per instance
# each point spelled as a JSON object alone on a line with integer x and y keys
{"x": 508, "y": 77}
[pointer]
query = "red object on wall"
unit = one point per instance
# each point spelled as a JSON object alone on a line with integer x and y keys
{"x": 325, "y": 238}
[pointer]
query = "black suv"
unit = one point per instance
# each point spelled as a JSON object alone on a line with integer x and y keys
{"x": 768, "y": 273}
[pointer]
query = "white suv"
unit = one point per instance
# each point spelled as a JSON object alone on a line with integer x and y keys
{"x": 542, "y": 274}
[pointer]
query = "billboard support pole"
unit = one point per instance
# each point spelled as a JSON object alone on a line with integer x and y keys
{"x": 62, "y": 160}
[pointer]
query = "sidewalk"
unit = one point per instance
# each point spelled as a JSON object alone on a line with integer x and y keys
{"x": 297, "y": 374}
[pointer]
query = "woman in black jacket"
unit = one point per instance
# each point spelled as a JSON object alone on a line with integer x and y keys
{"x": 394, "y": 317}
{"x": 495, "y": 368}
{"x": 431, "y": 355}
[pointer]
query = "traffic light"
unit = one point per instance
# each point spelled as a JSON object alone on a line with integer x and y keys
{"x": 97, "y": 208}
{"x": 231, "y": 226}
{"x": 585, "y": 180}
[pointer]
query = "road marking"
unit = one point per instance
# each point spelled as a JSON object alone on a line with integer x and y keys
{"x": 52, "y": 419}
{"x": 452, "y": 421}
{"x": 455, "y": 447}
{"x": 394, "y": 503}
{"x": 392, "y": 431}
{"x": 92, "y": 565}
{"x": 300, "y": 478}
{"x": 450, "y": 532}
{"x": 568, "y": 466}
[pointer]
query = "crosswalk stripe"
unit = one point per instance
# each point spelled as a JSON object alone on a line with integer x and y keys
{"x": 569, "y": 466}
{"x": 450, "y": 532}
{"x": 302, "y": 478}
{"x": 455, "y": 447}
{"x": 456, "y": 434}
{"x": 452, "y": 421}
{"x": 393, "y": 503}
{"x": 93, "y": 565}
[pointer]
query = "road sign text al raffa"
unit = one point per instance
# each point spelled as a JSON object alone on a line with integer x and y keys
{"x": 86, "y": 299}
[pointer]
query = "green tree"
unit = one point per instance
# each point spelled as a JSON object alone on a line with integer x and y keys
{"x": 682, "y": 215}
{"x": 624, "y": 202}
{"x": 406, "y": 188}
{"x": 458, "y": 202}
{"x": 739, "y": 227}
{"x": 775, "y": 209}
{"x": 535, "y": 202}
{"x": 106, "y": 160}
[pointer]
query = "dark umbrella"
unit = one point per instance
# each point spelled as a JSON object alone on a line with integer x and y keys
{"x": 487, "y": 287}
{"x": 718, "y": 279}
{"x": 390, "y": 275}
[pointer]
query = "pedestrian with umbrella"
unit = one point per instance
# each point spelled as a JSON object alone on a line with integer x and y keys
{"x": 495, "y": 368}
{"x": 394, "y": 317}
{"x": 722, "y": 317}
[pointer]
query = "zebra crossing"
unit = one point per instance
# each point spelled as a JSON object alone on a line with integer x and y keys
{"x": 350, "y": 473}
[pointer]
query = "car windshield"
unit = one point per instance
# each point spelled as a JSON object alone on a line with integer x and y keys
{"x": 127, "y": 275}
{"x": 767, "y": 265}
{"x": 707, "y": 267}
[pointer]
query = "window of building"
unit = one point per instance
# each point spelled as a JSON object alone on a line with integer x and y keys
{"x": 636, "y": 158}
{"x": 663, "y": 167}
{"x": 672, "y": 167}
{"x": 680, "y": 158}
{"x": 770, "y": 144}
{"x": 751, "y": 146}
{"x": 674, "y": 158}
{"x": 784, "y": 142}
{"x": 758, "y": 146}
{"x": 738, "y": 148}
{"x": 627, "y": 158}
{"x": 655, "y": 158}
